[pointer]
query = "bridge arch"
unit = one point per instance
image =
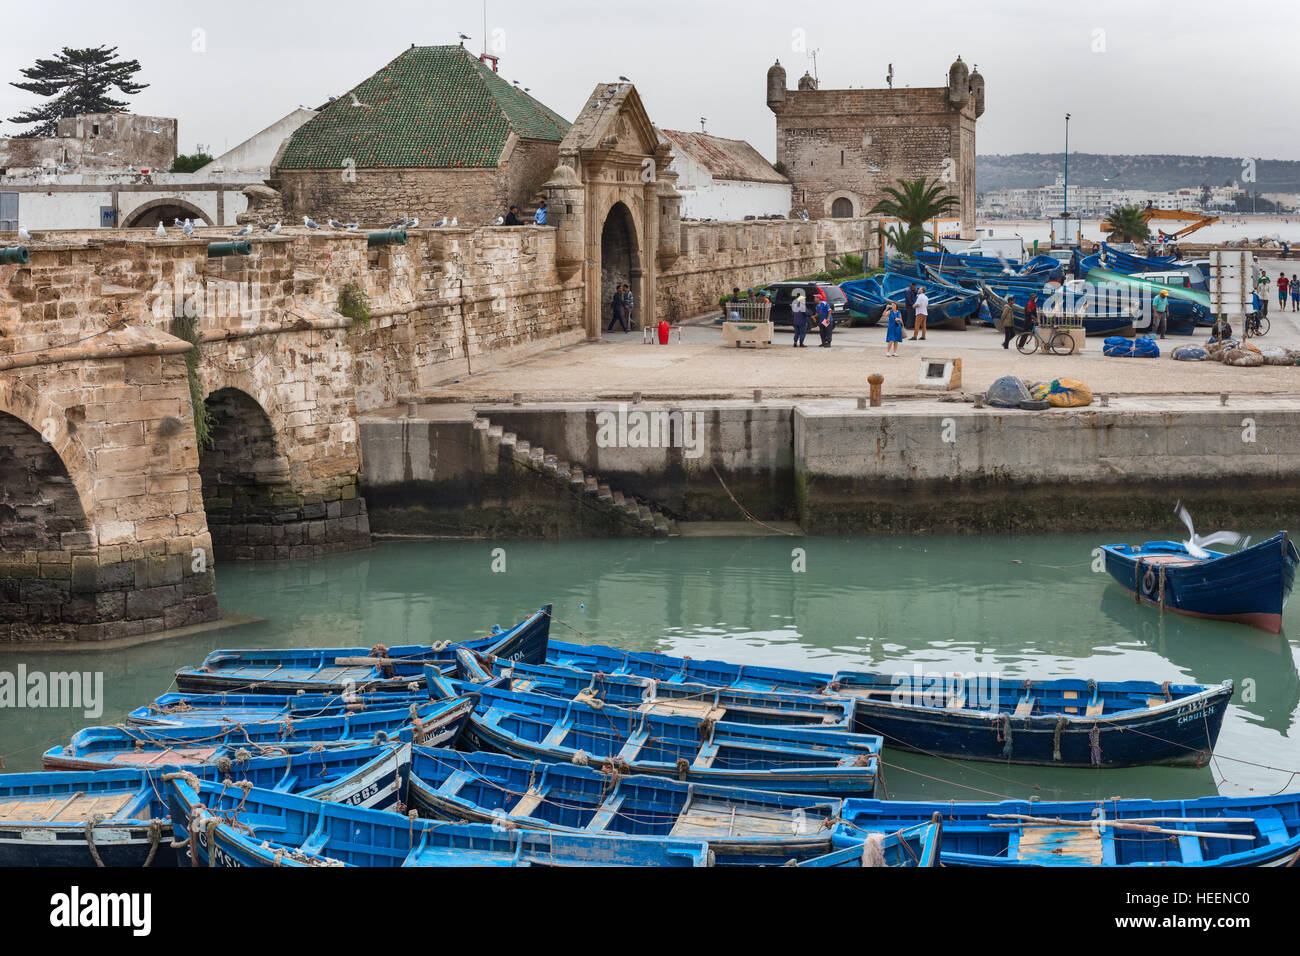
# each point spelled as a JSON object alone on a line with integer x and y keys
{"x": 167, "y": 211}
{"x": 55, "y": 428}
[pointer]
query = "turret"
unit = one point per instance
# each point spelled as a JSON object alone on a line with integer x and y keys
{"x": 958, "y": 84}
{"x": 776, "y": 87}
{"x": 807, "y": 82}
{"x": 566, "y": 202}
{"x": 977, "y": 91}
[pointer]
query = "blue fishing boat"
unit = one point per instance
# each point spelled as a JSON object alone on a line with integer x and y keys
{"x": 1250, "y": 586}
{"x": 692, "y": 749}
{"x": 1070, "y": 722}
{"x": 233, "y": 826}
{"x": 1097, "y": 317}
{"x": 742, "y": 827}
{"x": 1210, "y": 831}
{"x": 179, "y": 710}
{"x": 652, "y": 697}
{"x": 948, "y": 307}
{"x": 914, "y": 846}
{"x": 434, "y": 722}
{"x": 340, "y": 670}
{"x": 120, "y": 817}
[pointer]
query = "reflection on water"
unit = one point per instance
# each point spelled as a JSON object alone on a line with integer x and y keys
{"x": 1017, "y": 606}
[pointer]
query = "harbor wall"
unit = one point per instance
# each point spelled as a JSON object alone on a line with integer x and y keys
{"x": 934, "y": 467}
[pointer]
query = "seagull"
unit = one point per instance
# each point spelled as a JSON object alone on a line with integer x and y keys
{"x": 414, "y": 223}
{"x": 463, "y": 37}
{"x": 162, "y": 231}
{"x": 455, "y": 221}
{"x": 177, "y": 223}
{"x": 275, "y": 228}
{"x": 246, "y": 231}
{"x": 1196, "y": 545}
{"x": 353, "y": 226}
{"x": 24, "y": 235}
{"x": 624, "y": 79}
{"x": 307, "y": 221}
{"x": 335, "y": 224}
{"x": 357, "y": 102}
{"x": 444, "y": 221}
{"x": 189, "y": 227}
{"x": 499, "y": 221}
{"x": 400, "y": 224}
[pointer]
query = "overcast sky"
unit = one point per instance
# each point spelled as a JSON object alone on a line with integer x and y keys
{"x": 1192, "y": 76}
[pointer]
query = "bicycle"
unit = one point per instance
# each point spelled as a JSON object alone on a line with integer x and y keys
{"x": 1058, "y": 343}
{"x": 1256, "y": 325}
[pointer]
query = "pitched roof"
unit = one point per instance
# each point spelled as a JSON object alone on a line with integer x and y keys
{"x": 433, "y": 106}
{"x": 724, "y": 158}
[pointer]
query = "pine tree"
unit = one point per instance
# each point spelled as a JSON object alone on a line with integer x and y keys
{"x": 79, "y": 82}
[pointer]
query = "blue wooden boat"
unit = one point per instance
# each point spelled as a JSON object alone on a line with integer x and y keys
{"x": 742, "y": 827}
{"x": 915, "y": 846}
{"x": 1250, "y": 586}
{"x": 179, "y": 710}
{"x": 120, "y": 817}
{"x": 649, "y": 696}
{"x": 1095, "y": 318}
{"x": 338, "y": 670}
{"x": 434, "y": 722}
{"x": 1210, "y": 831}
{"x": 694, "y": 750}
{"x": 948, "y": 306}
{"x": 1048, "y": 722}
{"x": 232, "y": 826}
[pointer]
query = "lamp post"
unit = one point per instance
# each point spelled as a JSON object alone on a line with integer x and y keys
{"x": 1065, "y": 201}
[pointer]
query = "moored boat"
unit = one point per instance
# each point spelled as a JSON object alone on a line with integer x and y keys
{"x": 1250, "y": 586}
{"x": 434, "y": 722}
{"x": 229, "y": 825}
{"x": 179, "y": 710}
{"x": 749, "y": 827}
{"x": 692, "y": 749}
{"x": 1210, "y": 831}
{"x": 338, "y": 670}
{"x": 916, "y": 846}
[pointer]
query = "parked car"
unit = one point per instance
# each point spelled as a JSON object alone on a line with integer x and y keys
{"x": 782, "y": 294}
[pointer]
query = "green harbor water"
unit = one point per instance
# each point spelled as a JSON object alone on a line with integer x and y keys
{"x": 1018, "y": 607}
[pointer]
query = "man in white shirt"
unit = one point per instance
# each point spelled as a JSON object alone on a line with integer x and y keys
{"x": 922, "y": 315}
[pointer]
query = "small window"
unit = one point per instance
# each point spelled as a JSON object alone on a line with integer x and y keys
{"x": 94, "y": 129}
{"x": 8, "y": 212}
{"x": 842, "y": 208}
{"x": 841, "y": 157}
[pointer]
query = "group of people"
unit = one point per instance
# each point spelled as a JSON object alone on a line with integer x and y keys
{"x": 539, "y": 217}
{"x": 1284, "y": 286}
{"x": 621, "y": 308}
{"x": 822, "y": 316}
{"x": 916, "y": 306}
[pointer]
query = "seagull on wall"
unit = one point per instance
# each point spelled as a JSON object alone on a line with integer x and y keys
{"x": 24, "y": 235}
{"x": 353, "y": 226}
{"x": 455, "y": 221}
{"x": 499, "y": 221}
{"x": 275, "y": 228}
{"x": 161, "y": 231}
{"x": 189, "y": 227}
{"x": 335, "y": 224}
{"x": 309, "y": 223}
{"x": 414, "y": 223}
{"x": 443, "y": 222}
{"x": 246, "y": 231}
{"x": 624, "y": 79}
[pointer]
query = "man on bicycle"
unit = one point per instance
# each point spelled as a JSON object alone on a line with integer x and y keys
{"x": 1031, "y": 319}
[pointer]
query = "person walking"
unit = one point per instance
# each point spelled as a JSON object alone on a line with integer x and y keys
{"x": 1031, "y": 319}
{"x": 799, "y": 315}
{"x": 1294, "y": 286}
{"x": 629, "y": 304}
{"x": 909, "y": 307}
{"x": 619, "y": 315}
{"x": 825, "y": 322}
{"x": 1160, "y": 313}
{"x": 922, "y": 309}
{"x": 1282, "y": 283}
{"x": 539, "y": 218}
{"x": 1007, "y": 323}
{"x": 893, "y": 329}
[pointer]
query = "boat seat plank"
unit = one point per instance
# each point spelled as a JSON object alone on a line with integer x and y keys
{"x": 529, "y": 802}
{"x": 606, "y": 813}
{"x": 558, "y": 733}
{"x": 705, "y": 820}
{"x": 451, "y": 786}
{"x": 61, "y": 809}
{"x": 1095, "y": 707}
{"x": 1189, "y": 849}
{"x": 635, "y": 742}
{"x": 1025, "y": 707}
{"x": 704, "y": 759}
{"x": 1271, "y": 825}
{"x": 1154, "y": 702}
{"x": 1060, "y": 846}
{"x": 682, "y": 706}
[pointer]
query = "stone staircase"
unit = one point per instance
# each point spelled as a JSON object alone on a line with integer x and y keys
{"x": 636, "y": 516}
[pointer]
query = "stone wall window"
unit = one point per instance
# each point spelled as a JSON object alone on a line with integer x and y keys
{"x": 842, "y": 208}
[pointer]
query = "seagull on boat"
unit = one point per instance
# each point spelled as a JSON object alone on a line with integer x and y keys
{"x": 307, "y": 221}
{"x": 1195, "y": 544}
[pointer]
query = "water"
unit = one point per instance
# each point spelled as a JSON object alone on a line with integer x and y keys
{"x": 1018, "y": 606}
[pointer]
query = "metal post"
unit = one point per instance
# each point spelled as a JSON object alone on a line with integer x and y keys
{"x": 1065, "y": 197}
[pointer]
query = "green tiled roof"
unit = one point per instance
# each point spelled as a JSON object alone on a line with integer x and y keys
{"x": 433, "y": 106}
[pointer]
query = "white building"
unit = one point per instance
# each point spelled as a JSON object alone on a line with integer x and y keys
{"x": 725, "y": 179}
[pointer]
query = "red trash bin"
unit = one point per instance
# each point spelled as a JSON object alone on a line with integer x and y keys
{"x": 664, "y": 329}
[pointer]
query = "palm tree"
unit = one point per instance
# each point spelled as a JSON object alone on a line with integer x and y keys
{"x": 915, "y": 202}
{"x": 906, "y": 241}
{"x": 1126, "y": 224}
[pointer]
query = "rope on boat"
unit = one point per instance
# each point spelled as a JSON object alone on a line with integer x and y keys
{"x": 1094, "y": 745}
{"x": 89, "y": 830}
{"x": 155, "y": 838}
{"x": 1061, "y": 723}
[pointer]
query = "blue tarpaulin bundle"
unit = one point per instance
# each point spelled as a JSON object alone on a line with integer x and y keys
{"x": 1143, "y": 346}
{"x": 1191, "y": 353}
{"x": 1007, "y": 392}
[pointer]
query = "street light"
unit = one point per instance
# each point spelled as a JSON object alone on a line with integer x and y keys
{"x": 1066, "y": 199}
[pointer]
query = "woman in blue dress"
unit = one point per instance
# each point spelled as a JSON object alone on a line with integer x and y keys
{"x": 893, "y": 329}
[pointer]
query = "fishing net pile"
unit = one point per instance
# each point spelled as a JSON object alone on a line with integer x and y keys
{"x": 1062, "y": 393}
{"x": 1144, "y": 346}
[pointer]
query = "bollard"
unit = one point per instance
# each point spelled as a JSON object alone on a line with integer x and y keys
{"x": 1105, "y": 401}
{"x": 758, "y": 395}
{"x": 219, "y": 250}
{"x": 877, "y": 382}
{"x": 518, "y": 398}
{"x": 15, "y": 255}
{"x": 389, "y": 237}
{"x": 1223, "y": 398}
{"x": 979, "y": 401}
{"x": 862, "y": 403}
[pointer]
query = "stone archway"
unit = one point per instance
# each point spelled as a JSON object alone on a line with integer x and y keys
{"x": 245, "y": 475}
{"x": 842, "y": 205}
{"x": 620, "y": 260}
{"x": 166, "y": 211}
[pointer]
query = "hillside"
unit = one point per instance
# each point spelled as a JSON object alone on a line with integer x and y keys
{"x": 1155, "y": 172}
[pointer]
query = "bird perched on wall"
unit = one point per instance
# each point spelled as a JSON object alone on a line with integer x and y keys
{"x": 443, "y": 222}
{"x": 455, "y": 221}
{"x": 24, "y": 235}
{"x": 499, "y": 221}
{"x": 275, "y": 228}
{"x": 177, "y": 223}
{"x": 353, "y": 226}
{"x": 307, "y": 221}
{"x": 246, "y": 231}
{"x": 161, "y": 231}
{"x": 414, "y": 223}
{"x": 189, "y": 227}
{"x": 335, "y": 224}
{"x": 400, "y": 224}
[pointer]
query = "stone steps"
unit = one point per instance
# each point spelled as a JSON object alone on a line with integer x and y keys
{"x": 571, "y": 475}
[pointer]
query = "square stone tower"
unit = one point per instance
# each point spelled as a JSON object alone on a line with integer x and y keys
{"x": 840, "y": 148}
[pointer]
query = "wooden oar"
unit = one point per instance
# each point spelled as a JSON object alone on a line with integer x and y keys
{"x": 1124, "y": 825}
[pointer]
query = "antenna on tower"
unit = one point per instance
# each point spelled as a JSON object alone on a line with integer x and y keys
{"x": 703, "y": 120}
{"x": 813, "y": 54}
{"x": 484, "y": 26}
{"x": 890, "y": 78}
